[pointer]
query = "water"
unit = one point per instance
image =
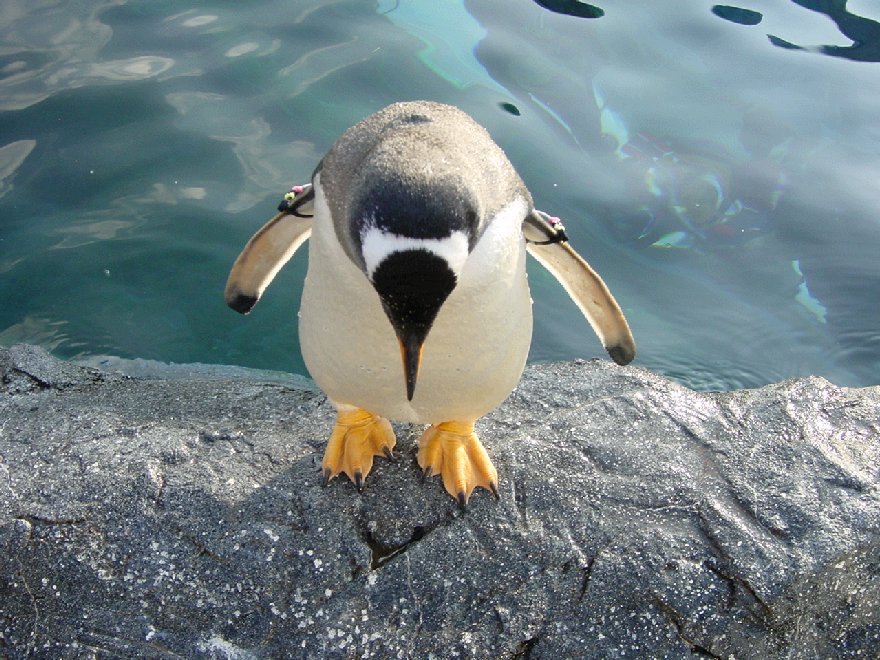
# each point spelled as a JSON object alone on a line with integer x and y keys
{"x": 719, "y": 166}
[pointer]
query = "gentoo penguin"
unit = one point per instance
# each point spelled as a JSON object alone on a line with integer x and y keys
{"x": 416, "y": 305}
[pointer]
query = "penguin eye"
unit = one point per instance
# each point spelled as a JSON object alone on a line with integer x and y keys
{"x": 472, "y": 223}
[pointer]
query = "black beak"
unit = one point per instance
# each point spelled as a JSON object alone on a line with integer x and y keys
{"x": 411, "y": 353}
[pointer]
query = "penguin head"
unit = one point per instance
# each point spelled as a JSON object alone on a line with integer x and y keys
{"x": 413, "y": 244}
{"x": 410, "y": 191}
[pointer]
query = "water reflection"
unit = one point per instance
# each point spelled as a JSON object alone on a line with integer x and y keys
{"x": 12, "y": 156}
{"x": 35, "y": 329}
{"x": 94, "y": 231}
{"x": 572, "y": 8}
{"x": 737, "y": 14}
{"x": 449, "y": 33}
{"x": 748, "y": 199}
{"x": 864, "y": 32}
{"x": 197, "y": 21}
{"x": 60, "y": 50}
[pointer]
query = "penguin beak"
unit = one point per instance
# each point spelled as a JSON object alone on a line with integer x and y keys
{"x": 412, "y": 285}
{"x": 411, "y": 353}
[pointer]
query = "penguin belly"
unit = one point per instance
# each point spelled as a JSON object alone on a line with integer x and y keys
{"x": 473, "y": 356}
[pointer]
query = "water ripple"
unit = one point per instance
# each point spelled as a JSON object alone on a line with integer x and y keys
{"x": 12, "y": 156}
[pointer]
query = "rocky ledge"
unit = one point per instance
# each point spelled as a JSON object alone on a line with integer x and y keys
{"x": 182, "y": 515}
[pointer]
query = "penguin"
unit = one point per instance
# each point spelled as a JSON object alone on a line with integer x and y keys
{"x": 416, "y": 305}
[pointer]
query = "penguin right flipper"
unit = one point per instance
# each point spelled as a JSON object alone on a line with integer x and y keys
{"x": 549, "y": 246}
{"x": 263, "y": 256}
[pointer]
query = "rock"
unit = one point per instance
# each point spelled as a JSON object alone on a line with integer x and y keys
{"x": 148, "y": 517}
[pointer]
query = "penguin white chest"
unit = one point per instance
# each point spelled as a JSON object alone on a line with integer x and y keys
{"x": 474, "y": 353}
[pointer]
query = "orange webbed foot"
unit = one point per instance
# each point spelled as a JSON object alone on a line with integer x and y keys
{"x": 452, "y": 450}
{"x": 357, "y": 437}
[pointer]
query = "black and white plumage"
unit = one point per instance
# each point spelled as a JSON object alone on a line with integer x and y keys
{"x": 416, "y": 305}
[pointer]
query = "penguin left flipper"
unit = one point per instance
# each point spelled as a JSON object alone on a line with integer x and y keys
{"x": 583, "y": 285}
{"x": 263, "y": 256}
{"x": 452, "y": 450}
{"x": 357, "y": 437}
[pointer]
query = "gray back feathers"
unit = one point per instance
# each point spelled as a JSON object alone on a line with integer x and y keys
{"x": 429, "y": 158}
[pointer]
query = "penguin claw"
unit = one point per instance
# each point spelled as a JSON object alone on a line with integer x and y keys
{"x": 357, "y": 437}
{"x": 452, "y": 450}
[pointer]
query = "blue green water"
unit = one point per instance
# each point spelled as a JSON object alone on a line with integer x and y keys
{"x": 718, "y": 165}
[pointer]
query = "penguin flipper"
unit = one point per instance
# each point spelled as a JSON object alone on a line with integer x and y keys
{"x": 452, "y": 450}
{"x": 357, "y": 437}
{"x": 584, "y": 287}
{"x": 263, "y": 256}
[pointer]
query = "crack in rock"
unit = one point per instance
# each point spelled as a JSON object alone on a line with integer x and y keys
{"x": 588, "y": 574}
{"x": 524, "y": 650}
{"x": 381, "y": 554}
{"x": 678, "y": 622}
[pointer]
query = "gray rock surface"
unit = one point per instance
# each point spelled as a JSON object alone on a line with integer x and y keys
{"x": 148, "y": 517}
